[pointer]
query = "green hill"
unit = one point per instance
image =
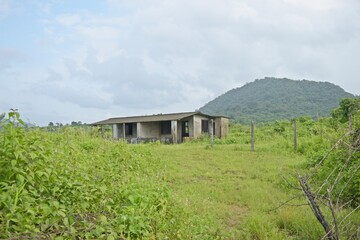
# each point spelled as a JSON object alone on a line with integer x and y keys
{"x": 270, "y": 99}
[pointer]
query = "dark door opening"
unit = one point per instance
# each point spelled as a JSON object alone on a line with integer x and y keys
{"x": 185, "y": 129}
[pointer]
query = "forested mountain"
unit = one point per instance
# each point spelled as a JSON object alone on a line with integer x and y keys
{"x": 270, "y": 99}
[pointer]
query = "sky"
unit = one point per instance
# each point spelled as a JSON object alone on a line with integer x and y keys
{"x": 88, "y": 60}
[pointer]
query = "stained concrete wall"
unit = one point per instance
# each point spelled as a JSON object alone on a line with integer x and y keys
{"x": 150, "y": 130}
{"x": 197, "y": 125}
{"x": 179, "y": 135}
{"x": 118, "y": 131}
{"x": 153, "y": 129}
{"x": 191, "y": 127}
{"x": 221, "y": 127}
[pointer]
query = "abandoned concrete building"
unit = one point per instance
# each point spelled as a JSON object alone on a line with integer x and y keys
{"x": 167, "y": 128}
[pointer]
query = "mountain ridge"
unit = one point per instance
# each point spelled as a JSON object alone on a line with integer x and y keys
{"x": 270, "y": 99}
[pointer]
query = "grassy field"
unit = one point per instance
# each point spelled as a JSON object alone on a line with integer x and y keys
{"x": 232, "y": 193}
{"x": 72, "y": 183}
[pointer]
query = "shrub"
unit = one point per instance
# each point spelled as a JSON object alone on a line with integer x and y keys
{"x": 68, "y": 184}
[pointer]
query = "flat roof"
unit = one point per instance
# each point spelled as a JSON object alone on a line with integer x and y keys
{"x": 151, "y": 118}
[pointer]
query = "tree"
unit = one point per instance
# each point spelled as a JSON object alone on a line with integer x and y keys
{"x": 348, "y": 107}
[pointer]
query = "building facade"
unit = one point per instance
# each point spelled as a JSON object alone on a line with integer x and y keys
{"x": 168, "y": 128}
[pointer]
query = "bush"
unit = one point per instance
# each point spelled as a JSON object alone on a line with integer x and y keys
{"x": 68, "y": 184}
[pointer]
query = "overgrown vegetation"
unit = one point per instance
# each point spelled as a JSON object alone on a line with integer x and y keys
{"x": 74, "y": 183}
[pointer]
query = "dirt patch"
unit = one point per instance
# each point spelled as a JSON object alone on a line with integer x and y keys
{"x": 234, "y": 216}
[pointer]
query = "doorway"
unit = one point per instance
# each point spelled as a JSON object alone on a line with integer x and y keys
{"x": 184, "y": 129}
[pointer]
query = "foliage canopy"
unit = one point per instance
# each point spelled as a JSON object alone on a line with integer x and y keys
{"x": 270, "y": 99}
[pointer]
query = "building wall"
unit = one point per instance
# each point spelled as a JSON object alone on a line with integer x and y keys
{"x": 191, "y": 128}
{"x": 179, "y": 133}
{"x": 197, "y": 125}
{"x": 118, "y": 131}
{"x": 150, "y": 130}
{"x": 221, "y": 127}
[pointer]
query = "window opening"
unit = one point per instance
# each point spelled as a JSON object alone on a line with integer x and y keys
{"x": 205, "y": 126}
{"x": 165, "y": 127}
{"x": 128, "y": 129}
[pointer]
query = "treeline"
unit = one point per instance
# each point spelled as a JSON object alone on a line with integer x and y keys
{"x": 50, "y": 125}
{"x": 73, "y": 124}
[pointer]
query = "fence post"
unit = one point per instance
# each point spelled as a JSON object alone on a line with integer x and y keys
{"x": 252, "y": 137}
{"x": 295, "y": 135}
{"x": 211, "y": 132}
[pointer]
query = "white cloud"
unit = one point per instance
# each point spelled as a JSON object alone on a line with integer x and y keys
{"x": 165, "y": 56}
{"x": 9, "y": 56}
{"x": 318, "y": 5}
{"x": 69, "y": 19}
{"x": 104, "y": 39}
{"x": 4, "y": 6}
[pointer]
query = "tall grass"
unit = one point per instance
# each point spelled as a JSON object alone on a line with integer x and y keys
{"x": 71, "y": 183}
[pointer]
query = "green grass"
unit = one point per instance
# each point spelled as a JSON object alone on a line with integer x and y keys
{"x": 233, "y": 194}
{"x": 70, "y": 183}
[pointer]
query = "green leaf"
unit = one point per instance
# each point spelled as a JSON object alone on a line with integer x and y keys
{"x": 21, "y": 121}
{"x": 61, "y": 213}
{"x": 20, "y": 179}
{"x": 103, "y": 219}
{"x": 13, "y": 163}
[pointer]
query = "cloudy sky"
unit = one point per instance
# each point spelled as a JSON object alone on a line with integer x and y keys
{"x": 87, "y": 60}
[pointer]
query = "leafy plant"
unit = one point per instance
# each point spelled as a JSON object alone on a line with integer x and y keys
{"x": 69, "y": 184}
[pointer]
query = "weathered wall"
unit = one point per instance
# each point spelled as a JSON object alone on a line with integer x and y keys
{"x": 197, "y": 125}
{"x": 191, "y": 126}
{"x": 150, "y": 130}
{"x": 179, "y": 135}
{"x": 221, "y": 127}
{"x": 118, "y": 131}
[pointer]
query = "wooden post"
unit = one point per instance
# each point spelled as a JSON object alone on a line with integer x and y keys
{"x": 211, "y": 128}
{"x": 295, "y": 135}
{"x": 252, "y": 137}
{"x": 316, "y": 209}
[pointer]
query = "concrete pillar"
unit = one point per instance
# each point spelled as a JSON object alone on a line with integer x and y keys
{"x": 115, "y": 132}
{"x": 124, "y": 131}
{"x": 138, "y": 130}
{"x": 174, "y": 132}
{"x": 211, "y": 131}
{"x": 218, "y": 127}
